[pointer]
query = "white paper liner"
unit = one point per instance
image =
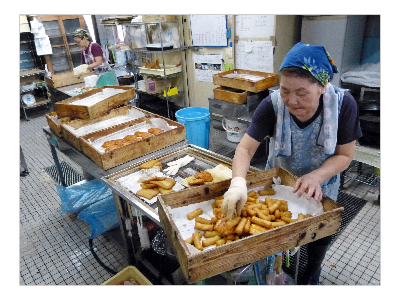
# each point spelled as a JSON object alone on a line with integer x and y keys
{"x": 132, "y": 181}
{"x": 245, "y": 76}
{"x": 133, "y": 114}
{"x": 295, "y": 205}
{"x": 96, "y": 98}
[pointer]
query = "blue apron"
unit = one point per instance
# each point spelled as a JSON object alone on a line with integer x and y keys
{"x": 306, "y": 154}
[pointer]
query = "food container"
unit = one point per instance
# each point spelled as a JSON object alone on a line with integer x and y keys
{"x": 216, "y": 260}
{"x": 252, "y": 81}
{"x": 110, "y": 159}
{"x": 169, "y": 70}
{"x": 129, "y": 273}
{"x": 122, "y": 113}
{"x": 66, "y": 108}
{"x": 65, "y": 79}
{"x": 230, "y": 95}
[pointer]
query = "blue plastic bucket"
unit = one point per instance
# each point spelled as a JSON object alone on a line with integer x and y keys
{"x": 197, "y": 124}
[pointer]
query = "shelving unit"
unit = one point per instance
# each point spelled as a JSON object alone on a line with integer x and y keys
{"x": 139, "y": 35}
{"x": 39, "y": 90}
{"x": 31, "y": 74}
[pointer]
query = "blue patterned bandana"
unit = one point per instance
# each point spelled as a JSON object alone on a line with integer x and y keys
{"x": 314, "y": 59}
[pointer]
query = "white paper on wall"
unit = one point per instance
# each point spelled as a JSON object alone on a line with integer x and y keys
{"x": 254, "y": 56}
{"x": 206, "y": 65}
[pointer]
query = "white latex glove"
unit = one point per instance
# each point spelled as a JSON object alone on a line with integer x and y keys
{"x": 235, "y": 197}
{"x": 80, "y": 69}
{"x": 174, "y": 166}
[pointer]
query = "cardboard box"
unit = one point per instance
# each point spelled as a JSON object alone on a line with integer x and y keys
{"x": 220, "y": 259}
{"x": 129, "y": 273}
{"x": 158, "y": 18}
{"x": 157, "y": 85}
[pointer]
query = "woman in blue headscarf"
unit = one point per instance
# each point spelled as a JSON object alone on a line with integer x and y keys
{"x": 312, "y": 126}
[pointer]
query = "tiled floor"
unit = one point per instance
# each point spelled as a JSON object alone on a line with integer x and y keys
{"x": 54, "y": 249}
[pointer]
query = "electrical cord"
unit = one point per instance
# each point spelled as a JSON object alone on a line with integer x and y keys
{"x": 98, "y": 259}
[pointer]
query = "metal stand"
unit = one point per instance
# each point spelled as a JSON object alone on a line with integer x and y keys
{"x": 22, "y": 161}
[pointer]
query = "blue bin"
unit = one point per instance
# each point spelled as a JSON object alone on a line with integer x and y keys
{"x": 197, "y": 124}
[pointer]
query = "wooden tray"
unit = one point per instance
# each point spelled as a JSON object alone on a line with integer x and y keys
{"x": 126, "y": 153}
{"x": 268, "y": 80}
{"x": 55, "y": 125}
{"x": 220, "y": 259}
{"x": 66, "y": 109}
{"x": 169, "y": 69}
{"x": 75, "y": 140}
{"x": 227, "y": 94}
{"x": 64, "y": 79}
{"x": 129, "y": 273}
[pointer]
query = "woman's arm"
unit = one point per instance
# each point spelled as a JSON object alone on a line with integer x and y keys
{"x": 243, "y": 155}
{"x": 98, "y": 60}
{"x": 332, "y": 166}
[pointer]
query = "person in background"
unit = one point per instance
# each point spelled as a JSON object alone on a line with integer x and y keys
{"x": 313, "y": 127}
{"x": 92, "y": 54}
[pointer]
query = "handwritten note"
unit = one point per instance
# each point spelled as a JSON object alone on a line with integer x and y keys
{"x": 254, "y": 56}
{"x": 255, "y": 26}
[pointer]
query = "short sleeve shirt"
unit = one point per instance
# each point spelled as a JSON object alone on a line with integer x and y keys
{"x": 264, "y": 121}
{"x": 96, "y": 51}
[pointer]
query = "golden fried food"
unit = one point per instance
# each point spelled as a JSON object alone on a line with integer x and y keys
{"x": 195, "y": 213}
{"x": 148, "y": 164}
{"x": 164, "y": 191}
{"x": 166, "y": 184}
{"x": 114, "y": 144}
{"x": 196, "y": 181}
{"x": 154, "y": 65}
{"x": 143, "y": 135}
{"x": 147, "y": 185}
{"x": 155, "y": 178}
{"x": 155, "y": 130}
{"x": 227, "y": 227}
{"x": 266, "y": 192}
{"x": 148, "y": 193}
{"x": 132, "y": 138}
{"x": 206, "y": 176}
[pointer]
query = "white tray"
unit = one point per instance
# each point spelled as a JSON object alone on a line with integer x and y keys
{"x": 169, "y": 69}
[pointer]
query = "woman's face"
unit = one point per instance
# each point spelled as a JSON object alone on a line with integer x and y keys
{"x": 300, "y": 96}
{"x": 80, "y": 42}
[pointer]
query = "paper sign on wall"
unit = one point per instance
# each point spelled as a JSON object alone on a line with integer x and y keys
{"x": 254, "y": 56}
{"x": 206, "y": 65}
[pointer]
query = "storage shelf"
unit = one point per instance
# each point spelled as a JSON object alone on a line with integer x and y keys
{"x": 31, "y": 72}
{"x": 144, "y": 50}
{"x": 26, "y": 51}
{"x": 30, "y": 90}
{"x": 161, "y": 96}
{"x": 151, "y": 23}
{"x": 39, "y": 102}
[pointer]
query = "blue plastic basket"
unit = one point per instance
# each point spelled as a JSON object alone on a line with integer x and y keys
{"x": 197, "y": 124}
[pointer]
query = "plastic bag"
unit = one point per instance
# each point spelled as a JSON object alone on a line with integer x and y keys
{"x": 77, "y": 197}
{"x": 102, "y": 216}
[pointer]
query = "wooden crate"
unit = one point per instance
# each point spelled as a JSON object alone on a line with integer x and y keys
{"x": 234, "y": 96}
{"x": 66, "y": 109}
{"x": 55, "y": 125}
{"x": 75, "y": 140}
{"x": 269, "y": 79}
{"x": 126, "y": 153}
{"x": 64, "y": 79}
{"x": 220, "y": 259}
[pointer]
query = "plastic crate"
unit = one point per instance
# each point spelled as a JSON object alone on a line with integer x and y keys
{"x": 129, "y": 273}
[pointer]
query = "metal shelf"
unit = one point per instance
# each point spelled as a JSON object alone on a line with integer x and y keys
{"x": 144, "y": 50}
{"x": 39, "y": 102}
{"x": 30, "y": 90}
{"x": 33, "y": 72}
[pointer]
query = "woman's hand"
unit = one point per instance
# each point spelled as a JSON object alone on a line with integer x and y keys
{"x": 310, "y": 184}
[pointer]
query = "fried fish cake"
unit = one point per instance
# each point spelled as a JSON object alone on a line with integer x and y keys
{"x": 132, "y": 138}
{"x": 196, "y": 181}
{"x": 155, "y": 130}
{"x": 206, "y": 176}
{"x": 143, "y": 135}
{"x": 148, "y": 193}
{"x": 166, "y": 184}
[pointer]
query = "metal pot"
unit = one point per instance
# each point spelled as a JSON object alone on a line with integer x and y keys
{"x": 126, "y": 80}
